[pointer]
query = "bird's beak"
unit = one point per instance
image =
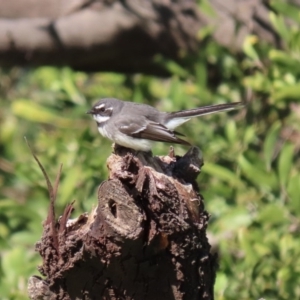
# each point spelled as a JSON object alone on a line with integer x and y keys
{"x": 90, "y": 112}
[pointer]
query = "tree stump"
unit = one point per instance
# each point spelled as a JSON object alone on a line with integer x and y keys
{"x": 146, "y": 239}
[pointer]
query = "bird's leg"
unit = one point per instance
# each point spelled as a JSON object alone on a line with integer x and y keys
{"x": 121, "y": 150}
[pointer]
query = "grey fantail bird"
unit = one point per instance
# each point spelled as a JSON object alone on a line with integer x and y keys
{"x": 136, "y": 126}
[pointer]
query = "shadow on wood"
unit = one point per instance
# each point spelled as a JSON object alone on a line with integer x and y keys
{"x": 145, "y": 240}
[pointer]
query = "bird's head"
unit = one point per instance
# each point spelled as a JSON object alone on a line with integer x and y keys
{"x": 103, "y": 109}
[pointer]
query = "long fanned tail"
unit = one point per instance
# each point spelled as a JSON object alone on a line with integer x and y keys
{"x": 175, "y": 119}
{"x": 205, "y": 110}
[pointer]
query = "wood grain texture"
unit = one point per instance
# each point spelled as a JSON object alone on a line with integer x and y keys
{"x": 146, "y": 239}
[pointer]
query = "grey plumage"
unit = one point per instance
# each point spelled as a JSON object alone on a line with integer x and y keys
{"x": 135, "y": 125}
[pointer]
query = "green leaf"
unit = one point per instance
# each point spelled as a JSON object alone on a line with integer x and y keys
{"x": 286, "y": 9}
{"x": 201, "y": 75}
{"x": 293, "y": 191}
{"x": 207, "y": 8}
{"x": 285, "y": 163}
{"x": 68, "y": 185}
{"x": 69, "y": 86}
{"x": 279, "y": 24}
{"x": 270, "y": 143}
{"x": 231, "y": 131}
{"x": 223, "y": 174}
{"x": 271, "y": 214}
{"x": 287, "y": 92}
{"x": 249, "y": 135}
{"x": 284, "y": 58}
{"x": 248, "y": 47}
{"x": 220, "y": 285}
{"x": 34, "y": 112}
{"x": 258, "y": 82}
{"x": 171, "y": 66}
{"x": 257, "y": 175}
{"x": 205, "y": 32}
{"x": 235, "y": 219}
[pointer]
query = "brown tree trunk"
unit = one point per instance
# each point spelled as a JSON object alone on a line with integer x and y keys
{"x": 146, "y": 240}
{"x": 111, "y": 35}
{"x": 123, "y": 35}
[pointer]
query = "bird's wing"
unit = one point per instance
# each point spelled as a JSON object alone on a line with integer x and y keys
{"x": 150, "y": 130}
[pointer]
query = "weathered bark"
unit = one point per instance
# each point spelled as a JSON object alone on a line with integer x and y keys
{"x": 122, "y": 35}
{"x": 145, "y": 240}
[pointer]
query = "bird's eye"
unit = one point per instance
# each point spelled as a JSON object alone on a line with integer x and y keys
{"x": 101, "y": 109}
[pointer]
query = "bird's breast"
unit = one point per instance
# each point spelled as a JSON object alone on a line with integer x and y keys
{"x": 124, "y": 140}
{"x": 103, "y": 131}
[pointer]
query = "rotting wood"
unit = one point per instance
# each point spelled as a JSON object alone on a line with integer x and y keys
{"x": 146, "y": 239}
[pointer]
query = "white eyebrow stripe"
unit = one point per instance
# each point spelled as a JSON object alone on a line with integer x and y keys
{"x": 100, "y": 106}
{"x": 109, "y": 108}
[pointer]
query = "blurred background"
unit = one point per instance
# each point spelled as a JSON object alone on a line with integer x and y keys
{"x": 173, "y": 55}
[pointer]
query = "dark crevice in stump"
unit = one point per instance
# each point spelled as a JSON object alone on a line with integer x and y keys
{"x": 146, "y": 239}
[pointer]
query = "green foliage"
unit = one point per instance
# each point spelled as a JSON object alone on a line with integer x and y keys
{"x": 250, "y": 180}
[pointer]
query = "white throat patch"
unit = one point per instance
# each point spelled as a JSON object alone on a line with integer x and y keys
{"x": 101, "y": 119}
